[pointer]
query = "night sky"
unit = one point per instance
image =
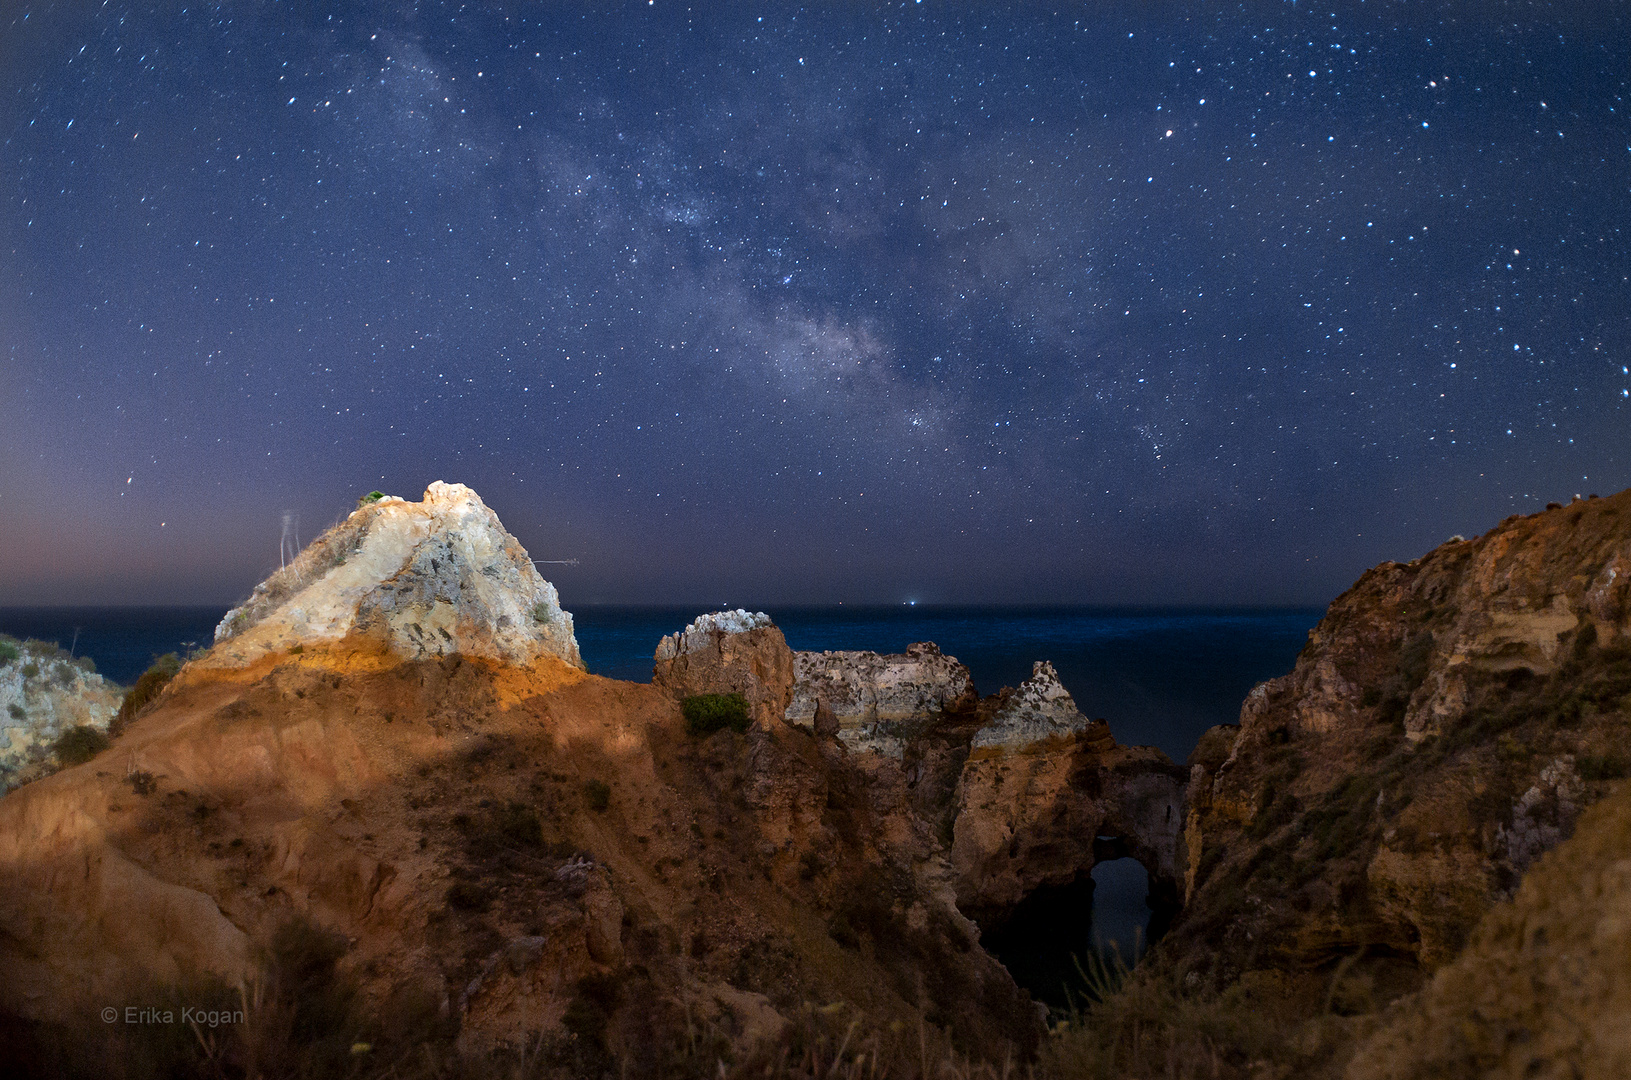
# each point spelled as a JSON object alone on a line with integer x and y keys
{"x": 766, "y": 304}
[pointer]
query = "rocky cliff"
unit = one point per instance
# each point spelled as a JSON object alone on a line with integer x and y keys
{"x": 383, "y": 756}
{"x": 383, "y": 764}
{"x": 1046, "y": 793}
{"x": 44, "y": 695}
{"x": 729, "y": 652}
{"x": 879, "y": 702}
{"x": 1541, "y": 989}
{"x": 1446, "y": 724}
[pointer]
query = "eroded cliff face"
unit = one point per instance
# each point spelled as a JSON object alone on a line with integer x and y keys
{"x": 1046, "y": 793}
{"x": 1541, "y": 990}
{"x": 439, "y": 577}
{"x": 879, "y": 702}
{"x": 729, "y": 652}
{"x": 1446, "y": 724}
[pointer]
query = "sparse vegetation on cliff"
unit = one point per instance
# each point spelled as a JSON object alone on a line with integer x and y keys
{"x": 79, "y": 744}
{"x": 147, "y": 687}
{"x": 708, "y": 713}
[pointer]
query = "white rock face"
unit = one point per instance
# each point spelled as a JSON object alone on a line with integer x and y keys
{"x": 700, "y": 634}
{"x": 876, "y": 698}
{"x": 1041, "y": 708}
{"x": 431, "y": 578}
{"x": 35, "y": 710}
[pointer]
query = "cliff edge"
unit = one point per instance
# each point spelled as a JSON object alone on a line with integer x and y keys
{"x": 1446, "y": 724}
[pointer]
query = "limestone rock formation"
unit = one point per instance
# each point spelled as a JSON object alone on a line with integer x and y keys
{"x": 434, "y": 578}
{"x": 521, "y": 849}
{"x": 878, "y": 702}
{"x": 1045, "y": 794}
{"x": 1039, "y": 709}
{"x": 45, "y": 693}
{"x": 727, "y": 652}
{"x": 1445, "y": 725}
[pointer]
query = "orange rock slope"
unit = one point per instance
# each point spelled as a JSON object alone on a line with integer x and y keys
{"x": 524, "y": 850}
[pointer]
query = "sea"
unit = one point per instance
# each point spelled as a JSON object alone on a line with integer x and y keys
{"x": 1160, "y": 677}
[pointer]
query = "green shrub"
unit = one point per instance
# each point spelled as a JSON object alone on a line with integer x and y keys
{"x": 591, "y": 1008}
{"x": 542, "y": 613}
{"x": 8, "y": 652}
{"x": 1413, "y": 659}
{"x": 16, "y": 712}
{"x": 708, "y": 713}
{"x": 30, "y": 670}
{"x": 79, "y": 744}
{"x": 598, "y": 795}
{"x": 147, "y": 687}
{"x": 371, "y": 497}
{"x": 513, "y": 825}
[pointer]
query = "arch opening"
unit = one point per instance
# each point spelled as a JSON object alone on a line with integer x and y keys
{"x": 1122, "y": 913}
{"x": 1056, "y": 926}
{"x": 1043, "y": 936}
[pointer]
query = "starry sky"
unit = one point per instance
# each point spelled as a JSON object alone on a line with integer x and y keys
{"x": 770, "y": 304}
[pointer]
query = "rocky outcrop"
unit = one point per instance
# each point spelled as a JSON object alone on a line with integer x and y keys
{"x": 1445, "y": 725}
{"x": 1047, "y": 793}
{"x": 729, "y": 652}
{"x": 529, "y": 853}
{"x": 879, "y": 702}
{"x": 1541, "y": 989}
{"x": 439, "y": 577}
{"x": 45, "y": 693}
{"x": 1041, "y": 709}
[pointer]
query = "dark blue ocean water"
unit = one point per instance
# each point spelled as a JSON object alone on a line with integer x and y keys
{"x": 1160, "y": 678}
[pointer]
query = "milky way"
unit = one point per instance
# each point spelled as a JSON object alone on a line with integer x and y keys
{"x": 1116, "y": 303}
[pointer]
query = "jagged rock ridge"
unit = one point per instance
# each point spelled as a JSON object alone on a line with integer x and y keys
{"x": 1041, "y": 708}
